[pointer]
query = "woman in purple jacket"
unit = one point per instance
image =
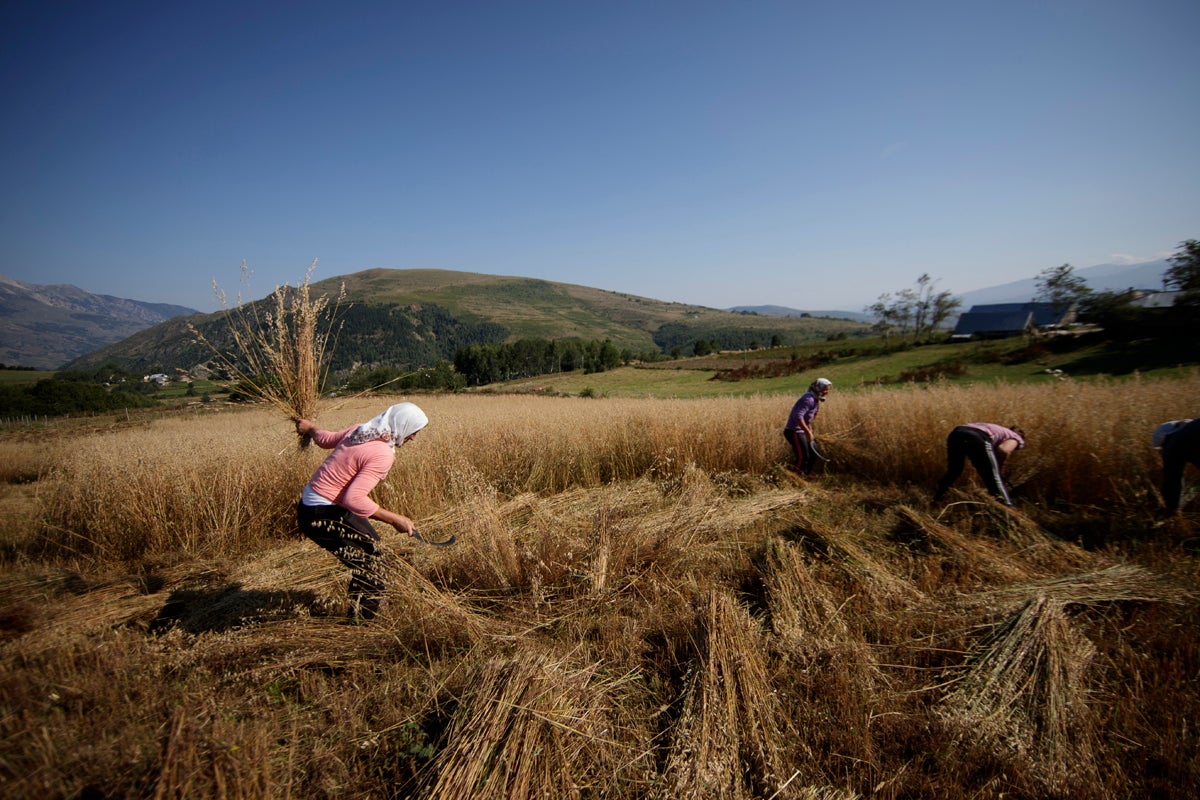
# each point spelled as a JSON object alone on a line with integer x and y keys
{"x": 798, "y": 430}
{"x": 988, "y": 446}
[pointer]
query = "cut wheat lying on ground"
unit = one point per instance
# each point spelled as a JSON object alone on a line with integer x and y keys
{"x": 641, "y": 603}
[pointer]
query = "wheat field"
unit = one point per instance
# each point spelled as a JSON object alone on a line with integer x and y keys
{"x": 642, "y": 603}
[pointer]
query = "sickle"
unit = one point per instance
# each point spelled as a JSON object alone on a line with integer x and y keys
{"x": 443, "y": 543}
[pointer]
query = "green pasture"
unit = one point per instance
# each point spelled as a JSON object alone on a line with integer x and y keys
{"x": 176, "y": 390}
{"x": 868, "y": 362}
{"x": 20, "y": 377}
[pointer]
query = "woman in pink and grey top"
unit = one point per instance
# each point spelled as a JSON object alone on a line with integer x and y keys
{"x": 987, "y": 446}
{"x": 335, "y": 507}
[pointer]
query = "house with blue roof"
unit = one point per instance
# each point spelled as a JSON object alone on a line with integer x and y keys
{"x": 1001, "y": 320}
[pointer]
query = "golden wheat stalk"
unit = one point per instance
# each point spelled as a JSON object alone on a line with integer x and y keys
{"x": 281, "y": 355}
{"x": 726, "y": 742}
{"x": 533, "y": 726}
{"x": 1026, "y": 687}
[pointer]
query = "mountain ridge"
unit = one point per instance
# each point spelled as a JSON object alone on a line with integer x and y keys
{"x": 45, "y": 326}
{"x": 1145, "y": 275}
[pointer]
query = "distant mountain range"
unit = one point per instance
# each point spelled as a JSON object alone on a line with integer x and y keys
{"x": 46, "y": 326}
{"x": 49, "y": 326}
{"x": 784, "y": 311}
{"x": 1100, "y": 278}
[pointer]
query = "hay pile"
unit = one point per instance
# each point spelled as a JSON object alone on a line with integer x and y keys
{"x": 726, "y": 742}
{"x": 1025, "y": 690}
{"x": 536, "y": 725}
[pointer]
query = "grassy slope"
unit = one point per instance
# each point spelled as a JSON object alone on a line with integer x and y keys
{"x": 551, "y": 310}
{"x": 19, "y": 377}
{"x": 1010, "y": 361}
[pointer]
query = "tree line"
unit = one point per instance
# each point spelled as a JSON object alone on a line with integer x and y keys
{"x": 1119, "y": 313}
{"x": 483, "y": 364}
{"x": 52, "y": 397}
{"x": 918, "y": 311}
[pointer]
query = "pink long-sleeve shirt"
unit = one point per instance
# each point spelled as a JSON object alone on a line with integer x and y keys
{"x": 350, "y": 472}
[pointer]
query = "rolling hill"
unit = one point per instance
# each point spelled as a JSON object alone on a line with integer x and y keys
{"x": 413, "y": 318}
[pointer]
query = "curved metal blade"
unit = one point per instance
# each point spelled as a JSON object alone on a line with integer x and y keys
{"x": 443, "y": 543}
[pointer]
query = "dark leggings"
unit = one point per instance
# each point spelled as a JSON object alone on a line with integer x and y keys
{"x": 356, "y": 544}
{"x": 965, "y": 442}
{"x": 806, "y": 457}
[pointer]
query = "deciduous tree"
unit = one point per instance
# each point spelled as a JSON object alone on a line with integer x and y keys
{"x": 1061, "y": 287}
{"x": 920, "y": 310}
{"x": 1184, "y": 273}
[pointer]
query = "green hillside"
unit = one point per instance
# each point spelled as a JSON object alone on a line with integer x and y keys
{"x": 865, "y": 362}
{"x": 413, "y": 318}
{"x": 531, "y": 308}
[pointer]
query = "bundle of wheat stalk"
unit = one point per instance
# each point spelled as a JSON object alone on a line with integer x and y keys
{"x": 280, "y": 355}
{"x": 1039, "y": 548}
{"x": 1025, "y": 691}
{"x": 851, "y": 552}
{"x": 536, "y": 726}
{"x": 1115, "y": 584}
{"x": 726, "y": 741}
{"x": 803, "y": 613}
{"x": 980, "y": 554}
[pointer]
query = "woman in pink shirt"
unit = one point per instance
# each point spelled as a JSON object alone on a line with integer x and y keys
{"x": 988, "y": 446}
{"x": 335, "y": 508}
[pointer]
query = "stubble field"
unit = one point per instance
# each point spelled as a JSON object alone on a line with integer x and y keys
{"x": 642, "y": 602}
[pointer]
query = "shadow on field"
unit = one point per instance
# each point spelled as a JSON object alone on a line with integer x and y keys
{"x": 1127, "y": 357}
{"x": 222, "y": 608}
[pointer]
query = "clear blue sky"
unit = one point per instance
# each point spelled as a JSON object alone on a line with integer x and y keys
{"x": 812, "y": 155}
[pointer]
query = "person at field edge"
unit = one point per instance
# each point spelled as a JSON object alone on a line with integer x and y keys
{"x": 1179, "y": 443}
{"x": 988, "y": 446}
{"x": 799, "y": 431}
{"x": 335, "y": 508}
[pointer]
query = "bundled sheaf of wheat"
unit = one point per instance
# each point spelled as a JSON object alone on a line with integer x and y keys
{"x": 984, "y": 554}
{"x": 804, "y": 615}
{"x": 1026, "y": 690}
{"x": 281, "y": 353}
{"x": 1115, "y": 584}
{"x": 535, "y": 726}
{"x": 852, "y": 553}
{"x": 727, "y": 740}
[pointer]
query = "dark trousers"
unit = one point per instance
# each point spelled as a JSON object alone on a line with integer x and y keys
{"x": 806, "y": 457}
{"x": 963, "y": 443}
{"x": 1182, "y": 447}
{"x": 356, "y": 544}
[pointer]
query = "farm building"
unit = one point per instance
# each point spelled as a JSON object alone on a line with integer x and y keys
{"x": 1001, "y": 320}
{"x": 1143, "y": 298}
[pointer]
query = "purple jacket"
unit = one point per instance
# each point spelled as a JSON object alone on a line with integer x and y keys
{"x": 804, "y": 409}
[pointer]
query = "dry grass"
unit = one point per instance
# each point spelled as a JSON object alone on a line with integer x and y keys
{"x": 726, "y": 741}
{"x": 640, "y": 605}
{"x": 1026, "y": 689}
{"x": 536, "y": 725}
{"x": 280, "y": 355}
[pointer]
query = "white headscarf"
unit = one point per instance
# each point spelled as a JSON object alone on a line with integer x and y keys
{"x": 1159, "y": 437}
{"x": 393, "y": 426}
